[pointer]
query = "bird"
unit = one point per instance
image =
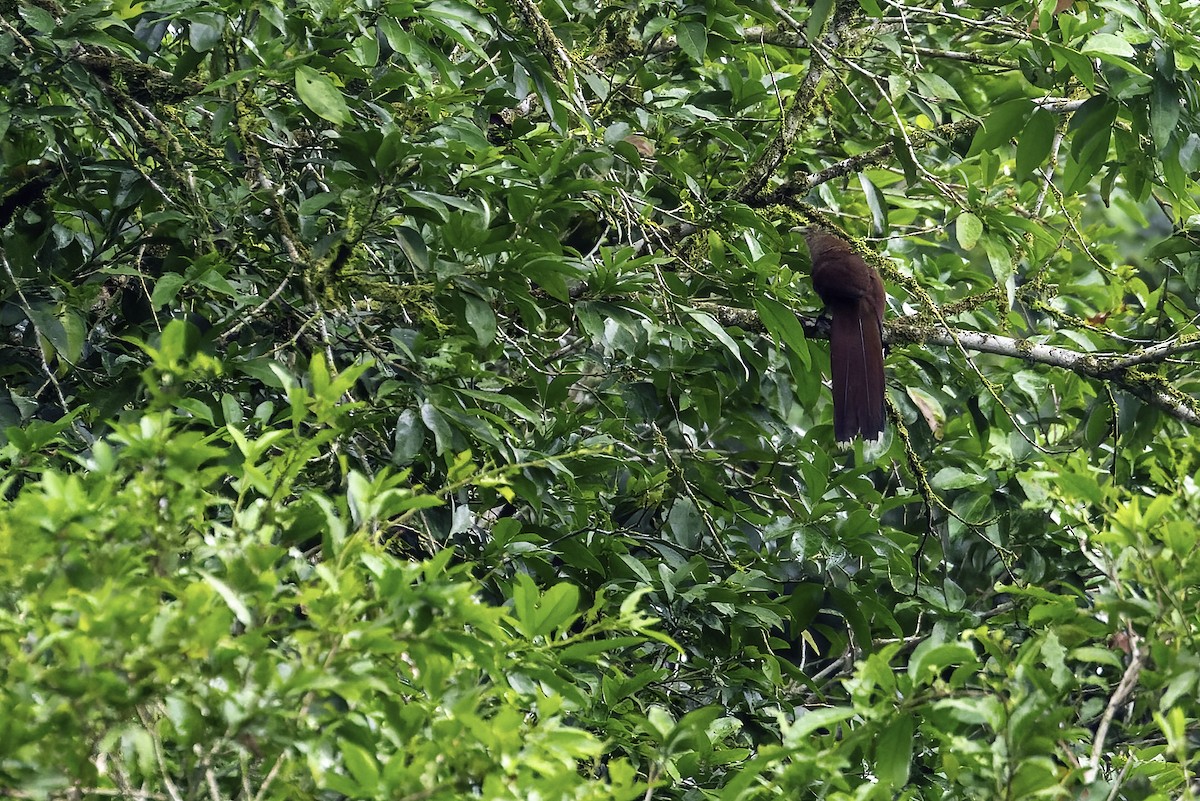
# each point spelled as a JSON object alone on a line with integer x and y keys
{"x": 854, "y": 299}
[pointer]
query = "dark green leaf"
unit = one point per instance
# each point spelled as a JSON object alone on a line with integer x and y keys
{"x": 818, "y": 16}
{"x": 1165, "y": 109}
{"x": 782, "y": 324}
{"x": 1035, "y": 143}
{"x": 1002, "y": 124}
{"x": 693, "y": 40}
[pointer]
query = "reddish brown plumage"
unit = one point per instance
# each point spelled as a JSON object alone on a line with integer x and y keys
{"x": 854, "y": 297}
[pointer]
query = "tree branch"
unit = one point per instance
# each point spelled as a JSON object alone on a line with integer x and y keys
{"x": 1157, "y": 353}
{"x": 840, "y": 32}
{"x": 1107, "y": 367}
{"x": 801, "y": 183}
{"x": 1124, "y": 689}
{"x": 1114, "y": 368}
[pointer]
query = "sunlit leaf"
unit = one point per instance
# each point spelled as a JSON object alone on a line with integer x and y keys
{"x": 318, "y": 92}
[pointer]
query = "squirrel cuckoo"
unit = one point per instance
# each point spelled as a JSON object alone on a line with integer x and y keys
{"x": 854, "y": 298}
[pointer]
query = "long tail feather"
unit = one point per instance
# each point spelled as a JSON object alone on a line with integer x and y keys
{"x": 856, "y": 356}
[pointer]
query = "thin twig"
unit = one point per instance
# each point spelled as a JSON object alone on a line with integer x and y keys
{"x": 1119, "y": 697}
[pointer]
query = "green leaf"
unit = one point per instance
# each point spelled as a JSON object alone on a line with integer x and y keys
{"x": 693, "y": 39}
{"x": 481, "y": 318}
{"x": 967, "y": 230}
{"x": 464, "y": 14}
{"x": 435, "y": 421}
{"x": 1165, "y": 109}
{"x": 587, "y": 650}
{"x": 783, "y": 326}
{"x": 556, "y": 608}
{"x": 1079, "y": 65}
{"x": 1035, "y": 143}
{"x": 361, "y": 765}
{"x": 205, "y": 30}
{"x": 394, "y": 148}
{"x": 903, "y": 153}
{"x": 166, "y": 288}
{"x": 936, "y": 88}
{"x": 321, "y": 200}
{"x": 231, "y": 598}
{"x": 39, "y": 19}
{"x": 894, "y": 751}
{"x": 365, "y": 51}
{"x": 1004, "y": 123}
{"x": 540, "y": 614}
{"x": 931, "y": 409}
{"x": 1114, "y": 50}
{"x": 1091, "y": 128}
{"x": 876, "y": 202}
{"x": 1045, "y": 14}
{"x": 1003, "y": 267}
{"x": 321, "y": 96}
{"x": 930, "y": 658}
{"x": 953, "y": 478}
{"x": 1073, "y": 485}
{"x": 409, "y": 438}
{"x": 814, "y": 26}
{"x": 1107, "y": 44}
{"x": 507, "y": 401}
{"x": 813, "y": 719}
{"x": 713, "y": 327}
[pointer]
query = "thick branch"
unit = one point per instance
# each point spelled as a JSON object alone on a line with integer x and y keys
{"x": 1156, "y": 353}
{"x": 1105, "y": 367}
{"x": 1108, "y": 367}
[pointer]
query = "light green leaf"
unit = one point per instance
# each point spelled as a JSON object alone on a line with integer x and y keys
{"x": 409, "y": 438}
{"x": 231, "y": 598}
{"x": 967, "y": 230}
{"x": 953, "y": 478}
{"x": 893, "y": 752}
{"x": 481, "y": 318}
{"x": 930, "y": 408}
{"x": 361, "y": 765}
{"x": 507, "y": 401}
{"x": 929, "y": 659}
{"x": 321, "y": 96}
{"x": 584, "y": 651}
{"x": 1079, "y": 64}
{"x": 205, "y": 31}
{"x": 813, "y": 719}
{"x": 556, "y": 607}
{"x": 876, "y": 202}
{"x": 1001, "y": 125}
{"x": 166, "y": 288}
{"x": 1107, "y": 44}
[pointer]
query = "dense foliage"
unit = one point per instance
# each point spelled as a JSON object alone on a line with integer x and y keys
{"x": 423, "y": 400}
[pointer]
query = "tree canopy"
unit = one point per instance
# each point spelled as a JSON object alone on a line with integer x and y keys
{"x": 427, "y": 400}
